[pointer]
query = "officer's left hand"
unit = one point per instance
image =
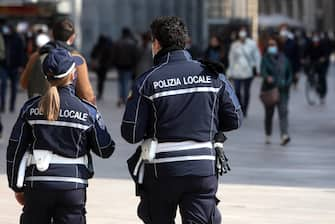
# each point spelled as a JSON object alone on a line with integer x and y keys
{"x": 19, "y": 196}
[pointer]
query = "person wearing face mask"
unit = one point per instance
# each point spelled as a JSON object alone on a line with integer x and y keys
{"x": 244, "y": 63}
{"x": 276, "y": 72}
{"x": 32, "y": 77}
{"x": 63, "y": 32}
{"x": 318, "y": 55}
{"x": 291, "y": 51}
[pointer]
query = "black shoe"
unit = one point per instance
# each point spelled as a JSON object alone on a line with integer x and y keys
{"x": 120, "y": 103}
{"x": 1, "y": 128}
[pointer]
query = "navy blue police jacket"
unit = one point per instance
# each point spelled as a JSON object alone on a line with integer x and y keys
{"x": 78, "y": 130}
{"x": 183, "y": 105}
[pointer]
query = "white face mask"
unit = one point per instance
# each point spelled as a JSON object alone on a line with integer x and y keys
{"x": 242, "y": 34}
{"x": 152, "y": 50}
{"x": 5, "y": 30}
{"x": 316, "y": 39}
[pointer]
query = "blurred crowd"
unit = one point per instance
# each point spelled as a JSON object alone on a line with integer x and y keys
{"x": 242, "y": 57}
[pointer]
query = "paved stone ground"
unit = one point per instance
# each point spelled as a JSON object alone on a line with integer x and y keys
{"x": 268, "y": 184}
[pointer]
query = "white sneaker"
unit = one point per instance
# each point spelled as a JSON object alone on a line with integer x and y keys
{"x": 267, "y": 139}
{"x": 284, "y": 140}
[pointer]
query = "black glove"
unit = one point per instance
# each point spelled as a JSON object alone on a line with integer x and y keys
{"x": 222, "y": 165}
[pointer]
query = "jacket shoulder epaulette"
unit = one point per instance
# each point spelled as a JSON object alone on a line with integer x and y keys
{"x": 88, "y": 103}
{"x": 29, "y": 103}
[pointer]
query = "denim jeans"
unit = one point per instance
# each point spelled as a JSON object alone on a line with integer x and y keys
{"x": 243, "y": 86}
{"x": 124, "y": 82}
{"x": 13, "y": 76}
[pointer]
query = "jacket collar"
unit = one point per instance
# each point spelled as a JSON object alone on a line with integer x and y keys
{"x": 68, "y": 88}
{"x": 171, "y": 54}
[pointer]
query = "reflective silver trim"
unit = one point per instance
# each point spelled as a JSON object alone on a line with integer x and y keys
{"x": 179, "y": 146}
{"x": 57, "y": 179}
{"x": 184, "y": 91}
{"x": 57, "y": 159}
{"x": 183, "y": 158}
{"x": 66, "y": 73}
{"x": 59, "y": 123}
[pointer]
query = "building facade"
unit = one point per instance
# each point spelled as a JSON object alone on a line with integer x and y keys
{"x": 230, "y": 11}
{"x": 313, "y": 14}
{"x": 109, "y": 16}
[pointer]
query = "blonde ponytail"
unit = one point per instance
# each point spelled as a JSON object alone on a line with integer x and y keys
{"x": 50, "y": 104}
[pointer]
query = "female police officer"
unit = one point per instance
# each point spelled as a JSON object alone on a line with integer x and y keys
{"x": 50, "y": 148}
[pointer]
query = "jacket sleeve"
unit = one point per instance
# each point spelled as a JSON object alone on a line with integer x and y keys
{"x": 136, "y": 116}
{"x": 257, "y": 57}
{"x": 84, "y": 88}
{"x": 230, "y": 113}
{"x": 264, "y": 68}
{"x": 100, "y": 140}
{"x": 24, "y": 80}
{"x": 289, "y": 73}
{"x": 19, "y": 141}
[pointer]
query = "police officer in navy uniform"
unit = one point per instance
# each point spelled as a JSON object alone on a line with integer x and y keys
{"x": 48, "y": 155}
{"x": 176, "y": 108}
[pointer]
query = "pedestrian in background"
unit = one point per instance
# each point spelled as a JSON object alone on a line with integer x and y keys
{"x": 32, "y": 77}
{"x": 214, "y": 51}
{"x": 57, "y": 133}
{"x": 124, "y": 58}
{"x": 145, "y": 60}
{"x": 194, "y": 50}
{"x": 317, "y": 55}
{"x": 63, "y": 32}
{"x": 2, "y": 69}
{"x": 276, "y": 73}
{"x": 291, "y": 51}
{"x": 14, "y": 63}
{"x": 244, "y": 64}
{"x": 100, "y": 61}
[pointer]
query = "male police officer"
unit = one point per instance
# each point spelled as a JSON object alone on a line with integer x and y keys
{"x": 63, "y": 32}
{"x": 177, "y": 107}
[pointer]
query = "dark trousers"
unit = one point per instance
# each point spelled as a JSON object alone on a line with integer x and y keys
{"x": 56, "y": 207}
{"x": 194, "y": 195}
{"x": 101, "y": 74}
{"x": 282, "y": 114}
{"x": 124, "y": 83}
{"x": 322, "y": 78}
{"x": 13, "y": 76}
{"x": 242, "y": 89}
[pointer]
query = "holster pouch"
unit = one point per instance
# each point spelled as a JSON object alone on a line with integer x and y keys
{"x": 149, "y": 147}
{"x": 132, "y": 163}
{"x": 22, "y": 169}
{"x": 42, "y": 159}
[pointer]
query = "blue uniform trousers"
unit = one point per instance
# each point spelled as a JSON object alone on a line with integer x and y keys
{"x": 195, "y": 196}
{"x": 54, "y": 206}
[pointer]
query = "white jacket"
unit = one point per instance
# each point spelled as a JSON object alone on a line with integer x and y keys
{"x": 242, "y": 58}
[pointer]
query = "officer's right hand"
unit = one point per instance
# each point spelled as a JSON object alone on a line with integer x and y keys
{"x": 19, "y": 196}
